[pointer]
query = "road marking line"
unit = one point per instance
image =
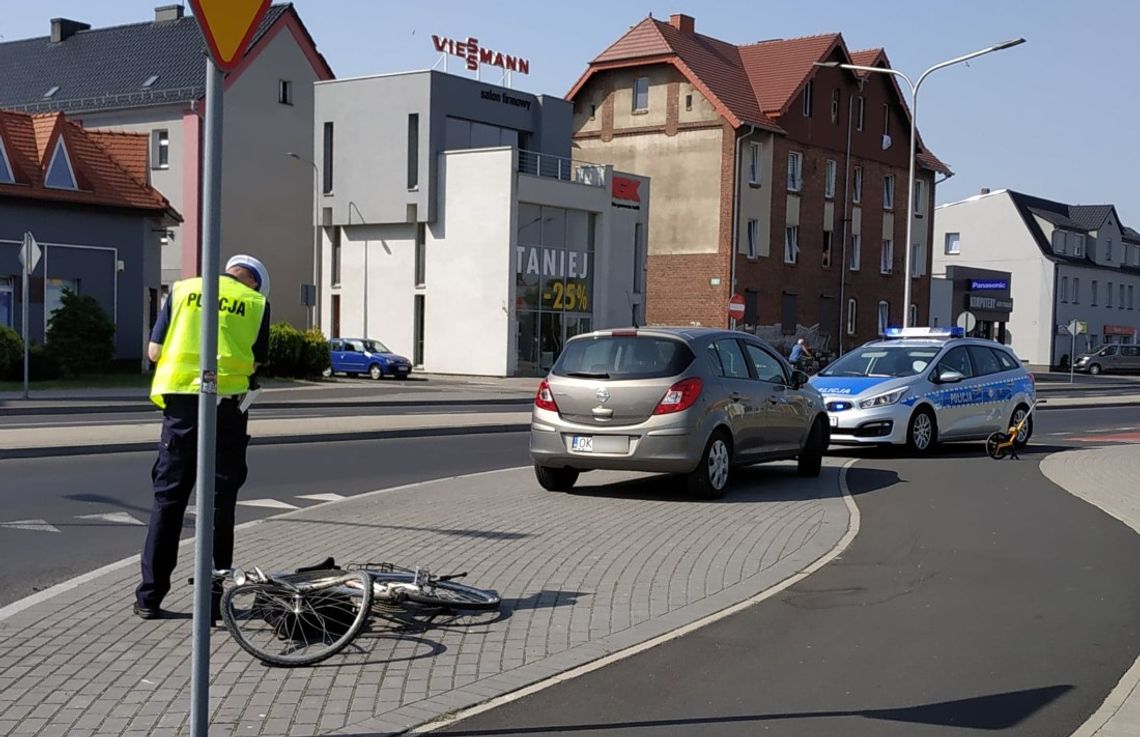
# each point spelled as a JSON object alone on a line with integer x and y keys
{"x": 840, "y": 547}
{"x": 34, "y": 525}
{"x": 322, "y": 497}
{"x": 121, "y": 518}
{"x": 267, "y": 503}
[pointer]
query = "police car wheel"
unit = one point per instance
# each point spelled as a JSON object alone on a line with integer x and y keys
{"x": 921, "y": 432}
{"x": 1022, "y": 438}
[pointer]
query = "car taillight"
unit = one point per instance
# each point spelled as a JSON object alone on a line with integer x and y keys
{"x": 544, "y": 398}
{"x": 680, "y": 396}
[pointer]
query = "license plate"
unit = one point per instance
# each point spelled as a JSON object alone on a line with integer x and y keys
{"x": 402, "y": 369}
{"x": 582, "y": 443}
{"x": 834, "y": 421}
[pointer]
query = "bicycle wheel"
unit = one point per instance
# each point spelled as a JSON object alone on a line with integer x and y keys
{"x": 453, "y": 595}
{"x": 299, "y": 618}
{"x": 993, "y": 446}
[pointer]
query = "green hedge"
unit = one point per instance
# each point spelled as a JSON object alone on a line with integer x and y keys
{"x": 293, "y": 354}
{"x": 11, "y": 354}
{"x": 81, "y": 335}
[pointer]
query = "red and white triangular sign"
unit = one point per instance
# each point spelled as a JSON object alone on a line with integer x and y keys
{"x": 228, "y": 26}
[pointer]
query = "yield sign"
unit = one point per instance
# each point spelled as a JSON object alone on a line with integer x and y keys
{"x": 228, "y": 26}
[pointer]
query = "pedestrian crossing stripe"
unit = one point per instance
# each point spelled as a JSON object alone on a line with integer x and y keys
{"x": 35, "y": 525}
{"x": 267, "y": 503}
{"x": 322, "y": 497}
{"x": 121, "y": 518}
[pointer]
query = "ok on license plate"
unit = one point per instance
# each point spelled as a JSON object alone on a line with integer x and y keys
{"x": 582, "y": 443}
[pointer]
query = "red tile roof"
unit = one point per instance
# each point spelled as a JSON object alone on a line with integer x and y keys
{"x": 749, "y": 84}
{"x": 110, "y": 168}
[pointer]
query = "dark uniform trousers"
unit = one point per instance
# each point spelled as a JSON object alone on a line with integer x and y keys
{"x": 174, "y": 476}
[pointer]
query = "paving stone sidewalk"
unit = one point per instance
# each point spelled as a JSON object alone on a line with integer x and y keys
{"x": 581, "y": 575}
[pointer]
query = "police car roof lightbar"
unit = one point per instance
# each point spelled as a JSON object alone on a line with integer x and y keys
{"x": 954, "y": 332}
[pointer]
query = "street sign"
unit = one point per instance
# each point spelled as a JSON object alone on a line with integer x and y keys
{"x": 967, "y": 321}
{"x": 736, "y": 307}
{"x": 30, "y": 253}
{"x": 228, "y": 26}
{"x": 1076, "y": 327}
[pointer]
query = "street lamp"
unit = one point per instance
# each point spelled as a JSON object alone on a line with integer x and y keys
{"x": 315, "y": 312}
{"x": 914, "y": 86}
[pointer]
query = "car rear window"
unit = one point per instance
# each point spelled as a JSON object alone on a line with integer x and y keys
{"x": 623, "y": 357}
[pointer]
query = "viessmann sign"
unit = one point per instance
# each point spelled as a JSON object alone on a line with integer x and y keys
{"x": 476, "y": 55}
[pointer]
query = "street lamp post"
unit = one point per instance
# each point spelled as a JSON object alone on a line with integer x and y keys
{"x": 914, "y": 87}
{"x": 315, "y": 315}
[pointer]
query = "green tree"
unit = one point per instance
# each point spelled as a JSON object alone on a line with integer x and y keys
{"x": 81, "y": 336}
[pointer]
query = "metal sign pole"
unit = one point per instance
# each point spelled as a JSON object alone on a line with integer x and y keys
{"x": 207, "y": 403}
{"x": 1072, "y": 354}
{"x": 24, "y": 307}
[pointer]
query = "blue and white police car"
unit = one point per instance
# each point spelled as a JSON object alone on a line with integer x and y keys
{"x": 919, "y": 386}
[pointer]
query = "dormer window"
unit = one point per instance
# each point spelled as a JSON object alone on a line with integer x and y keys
{"x": 51, "y": 92}
{"x": 60, "y": 174}
{"x": 150, "y": 81}
{"x": 6, "y": 175}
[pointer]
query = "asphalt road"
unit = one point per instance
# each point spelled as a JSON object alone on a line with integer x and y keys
{"x": 74, "y": 495}
{"x": 978, "y": 598}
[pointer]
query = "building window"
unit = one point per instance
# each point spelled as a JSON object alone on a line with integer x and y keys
{"x": 1076, "y": 291}
{"x": 334, "y": 326}
{"x": 160, "y": 149}
{"x": 829, "y": 170}
{"x": 335, "y": 236}
{"x": 6, "y": 175}
{"x": 60, "y": 175}
{"x": 913, "y": 315}
{"x": 418, "y": 331}
{"x": 886, "y": 121}
{"x": 753, "y": 235}
{"x": 1078, "y": 244}
{"x": 826, "y": 261}
{"x": 7, "y": 302}
{"x": 835, "y": 106}
{"x": 795, "y": 171}
{"x": 421, "y": 253}
{"x": 809, "y": 88}
{"x": 1059, "y": 241}
{"x": 919, "y": 199}
{"x": 888, "y": 192}
{"x": 791, "y": 244}
{"x": 1131, "y": 296}
{"x": 327, "y": 163}
{"x": 1108, "y": 251}
{"x": 754, "y": 163}
{"x": 852, "y": 305}
{"x": 917, "y": 260}
{"x": 641, "y": 95}
{"x": 887, "y": 261}
{"x": 413, "y": 150}
{"x": 884, "y": 316}
{"x": 1094, "y": 293}
{"x": 1064, "y": 289}
{"x": 953, "y": 244}
{"x": 1108, "y": 296}
{"x": 54, "y": 289}
{"x": 593, "y": 110}
{"x": 1120, "y": 303}
{"x": 857, "y": 185}
{"x": 856, "y": 255}
{"x": 860, "y": 107}
{"x": 688, "y": 102}
{"x": 638, "y": 259}
{"x": 285, "y": 92}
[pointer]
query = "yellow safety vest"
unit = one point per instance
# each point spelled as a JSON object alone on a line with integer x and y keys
{"x": 240, "y": 310}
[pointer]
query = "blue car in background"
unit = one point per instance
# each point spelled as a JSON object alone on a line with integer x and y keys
{"x": 356, "y": 356}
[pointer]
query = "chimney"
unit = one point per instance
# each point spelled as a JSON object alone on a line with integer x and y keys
{"x": 63, "y": 29}
{"x": 165, "y": 13}
{"x": 686, "y": 24}
{"x": 985, "y": 190}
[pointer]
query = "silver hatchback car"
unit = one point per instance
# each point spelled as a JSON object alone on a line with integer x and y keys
{"x": 695, "y": 401}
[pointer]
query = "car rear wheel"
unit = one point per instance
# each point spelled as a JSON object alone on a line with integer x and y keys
{"x": 709, "y": 479}
{"x": 921, "y": 432}
{"x": 555, "y": 479}
{"x": 375, "y": 371}
{"x": 1019, "y": 414}
{"x": 1094, "y": 369}
{"x": 811, "y": 458}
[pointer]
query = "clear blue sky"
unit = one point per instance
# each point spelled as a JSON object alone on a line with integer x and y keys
{"x": 1053, "y": 117}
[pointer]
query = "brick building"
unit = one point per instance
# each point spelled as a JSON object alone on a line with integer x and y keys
{"x": 802, "y": 168}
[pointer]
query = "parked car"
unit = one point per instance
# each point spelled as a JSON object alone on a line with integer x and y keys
{"x": 1119, "y": 358}
{"x": 357, "y": 356}
{"x": 918, "y": 386}
{"x": 692, "y": 401}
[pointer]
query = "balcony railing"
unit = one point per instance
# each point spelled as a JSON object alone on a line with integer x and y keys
{"x": 558, "y": 167}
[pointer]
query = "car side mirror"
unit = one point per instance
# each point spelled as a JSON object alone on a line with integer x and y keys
{"x": 949, "y": 377}
{"x": 799, "y": 379}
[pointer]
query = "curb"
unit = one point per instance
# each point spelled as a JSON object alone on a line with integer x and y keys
{"x": 111, "y": 448}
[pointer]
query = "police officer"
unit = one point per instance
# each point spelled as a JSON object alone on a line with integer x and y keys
{"x": 243, "y": 341}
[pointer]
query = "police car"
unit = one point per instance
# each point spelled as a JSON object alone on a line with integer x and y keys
{"x": 919, "y": 386}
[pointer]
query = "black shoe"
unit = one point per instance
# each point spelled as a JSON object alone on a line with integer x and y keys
{"x": 147, "y": 612}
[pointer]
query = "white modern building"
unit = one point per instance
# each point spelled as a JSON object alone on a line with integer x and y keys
{"x": 1068, "y": 262}
{"x": 150, "y": 78}
{"x": 458, "y": 231}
